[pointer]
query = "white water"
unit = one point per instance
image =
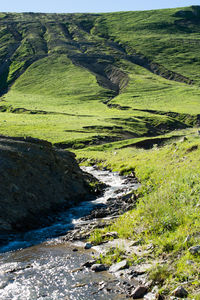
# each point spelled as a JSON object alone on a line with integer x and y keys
{"x": 37, "y": 265}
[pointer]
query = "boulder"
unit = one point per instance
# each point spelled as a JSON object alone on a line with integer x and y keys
{"x": 88, "y": 246}
{"x": 195, "y": 250}
{"x": 4, "y": 280}
{"x": 89, "y": 263}
{"x": 139, "y": 292}
{"x": 180, "y": 292}
{"x": 118, "y": 266}
{"x": 98, "y": 267}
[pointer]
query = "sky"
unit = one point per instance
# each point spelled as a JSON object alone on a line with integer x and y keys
{"x": 68, "y": 6}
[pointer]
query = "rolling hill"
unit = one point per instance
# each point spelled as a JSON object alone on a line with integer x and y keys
{"x": 128, "y": 74}
{"x": 121, "y": 90}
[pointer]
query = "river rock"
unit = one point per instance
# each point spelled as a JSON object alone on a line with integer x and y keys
{"x": 89, "y": 263}
{"x": 88, "y": 246}
{"x": 195, "y": 250}
{"x": 37, "y": 180}
{"x": 118, "y": 266}
{"x": 180, "y": 292}
{"x": 4, "y": 281}
{"x": 159, "y": 297}
{"x": 112, "y": 234}
{"x": 137, "y": 243}
{"x": 183, "y": 139}
{"x": 140, "y": 269}
{"x": 98, "y": 267}
{"x": 139, "y": 292}
{"x": 75, "y": 250}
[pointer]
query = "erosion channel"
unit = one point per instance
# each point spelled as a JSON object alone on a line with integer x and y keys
{"x": 47, "y": 263}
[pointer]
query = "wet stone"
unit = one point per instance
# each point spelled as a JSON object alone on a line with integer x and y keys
{"x": 88, "y": 246}
{"x": 140, "y": 269}
{"x": 180, "y": 292}
{"x": 102, "y": 285}
{"x": 77, "y": 270}
{"x": 159, "y": 297}
{"x": 98, "y": 268}
{"x": 112, "y": 234}
{"x": 4, "y": 281}
{"x": 195, "y": 250}
{"x": 119, "y": 266}
{"x": 89, "y": 263}
{"x": 139, "y": 292}
{"x": 75, "y": 250}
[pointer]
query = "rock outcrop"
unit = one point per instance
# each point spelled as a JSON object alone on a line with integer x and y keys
{"x": 36, "y": 180}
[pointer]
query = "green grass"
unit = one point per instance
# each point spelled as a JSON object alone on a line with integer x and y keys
{"x": 63, "y": 78}
{"x": 168, "y": 206}
{"x": 161, "y": 35}
{"x": 72, "y": 100}
{"x": 41, "y": 75}
{"x": 149, "y": 91}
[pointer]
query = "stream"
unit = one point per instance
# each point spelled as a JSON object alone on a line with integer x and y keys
{"x": 40, "y": 265}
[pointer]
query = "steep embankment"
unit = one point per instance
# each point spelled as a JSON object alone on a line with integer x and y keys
{"x": 36, "y": 179}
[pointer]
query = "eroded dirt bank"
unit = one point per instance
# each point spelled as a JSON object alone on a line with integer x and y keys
{"x": 36, "y": 181}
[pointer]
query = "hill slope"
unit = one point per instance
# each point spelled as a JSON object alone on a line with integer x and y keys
{"x": 115, "y": 88}
{"x": 64, "y": 72}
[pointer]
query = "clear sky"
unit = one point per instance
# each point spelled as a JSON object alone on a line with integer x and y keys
{"x": 66, "y": 6}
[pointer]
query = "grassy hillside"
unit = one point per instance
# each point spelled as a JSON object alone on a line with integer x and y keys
{"x": 121, "y": 90}
{"x": 62, "y": 73}
{"x": 168, "y": 37}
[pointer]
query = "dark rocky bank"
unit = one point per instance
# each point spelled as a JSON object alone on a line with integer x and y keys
{"x": 36, "y": 181}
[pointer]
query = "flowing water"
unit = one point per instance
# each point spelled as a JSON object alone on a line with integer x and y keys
{"x": 39, "y": 265}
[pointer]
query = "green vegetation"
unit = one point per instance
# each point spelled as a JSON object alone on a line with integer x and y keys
{"x": 167, "y": 212}
{"x": 121, "y": 90}
{"x": 148, "y": 92}
{"x": 169, "y": 37}
{"x": 113, "y": 255}
{"x": 86, "y": 69}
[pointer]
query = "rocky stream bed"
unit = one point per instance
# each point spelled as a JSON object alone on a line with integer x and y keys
{"x": 56, "y": 262}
